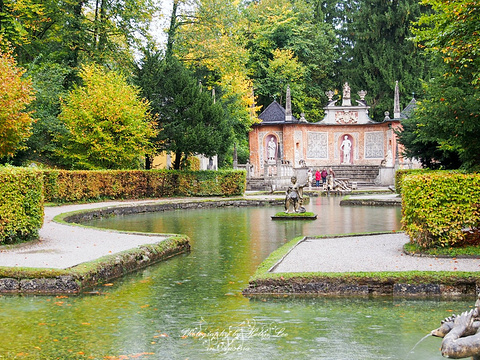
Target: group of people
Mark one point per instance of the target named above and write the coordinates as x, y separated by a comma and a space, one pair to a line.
320, 176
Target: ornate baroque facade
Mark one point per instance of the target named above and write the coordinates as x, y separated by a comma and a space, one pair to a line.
346, 136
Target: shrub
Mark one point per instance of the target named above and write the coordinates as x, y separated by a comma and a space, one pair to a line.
21, 204
439, 208
400, 175
71, 186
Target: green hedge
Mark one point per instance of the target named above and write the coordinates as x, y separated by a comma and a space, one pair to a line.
71, 186
400, 175
21, 204
438, 207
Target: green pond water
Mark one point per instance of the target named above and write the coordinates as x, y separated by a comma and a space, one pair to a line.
191, 306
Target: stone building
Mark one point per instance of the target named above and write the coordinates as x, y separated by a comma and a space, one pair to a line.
346, 140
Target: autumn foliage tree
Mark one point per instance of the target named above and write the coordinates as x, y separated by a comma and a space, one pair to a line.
15, 94
448, 117
108, 124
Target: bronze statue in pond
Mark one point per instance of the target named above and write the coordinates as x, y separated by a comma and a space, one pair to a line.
294, 197
461, 335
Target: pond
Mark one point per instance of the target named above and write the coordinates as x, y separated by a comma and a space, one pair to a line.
191, 306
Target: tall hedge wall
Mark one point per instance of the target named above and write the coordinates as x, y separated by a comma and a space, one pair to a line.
400, 174
438, 207
23, 191
21, 204
69, 186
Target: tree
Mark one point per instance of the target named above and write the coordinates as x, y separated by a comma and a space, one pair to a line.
424, 146
452, 32
277, 28
189, 120
448, 119
378, 52
18, 19
210, 42
48, 81
15, 95
449, 116
71, 32
108, 125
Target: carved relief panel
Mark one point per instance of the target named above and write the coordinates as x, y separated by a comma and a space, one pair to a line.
374, 148
317, 145
346, 117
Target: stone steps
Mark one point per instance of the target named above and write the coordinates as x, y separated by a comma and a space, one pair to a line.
363, 175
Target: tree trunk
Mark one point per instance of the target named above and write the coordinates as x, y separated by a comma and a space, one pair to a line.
148, 162
171, 30
178, 160
102, 36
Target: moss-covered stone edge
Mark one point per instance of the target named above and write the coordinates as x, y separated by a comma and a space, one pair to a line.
76, 279
404, 284
349, 201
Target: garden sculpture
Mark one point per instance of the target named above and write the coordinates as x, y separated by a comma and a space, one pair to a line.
461, 335
294, 197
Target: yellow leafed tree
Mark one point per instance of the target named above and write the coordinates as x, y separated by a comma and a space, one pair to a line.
15, 95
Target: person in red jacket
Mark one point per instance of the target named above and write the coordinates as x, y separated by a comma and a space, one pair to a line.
318, 176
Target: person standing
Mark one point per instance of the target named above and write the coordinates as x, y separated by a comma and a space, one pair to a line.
331, 172
318, 176
324, 175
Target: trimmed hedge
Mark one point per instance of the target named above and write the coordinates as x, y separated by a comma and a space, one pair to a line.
72, 186
439, 207
400, 175
21, 204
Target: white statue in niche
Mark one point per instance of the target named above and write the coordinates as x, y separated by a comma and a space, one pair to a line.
272, 149
346, 147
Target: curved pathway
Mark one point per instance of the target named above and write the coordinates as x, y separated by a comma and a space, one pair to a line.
62, 246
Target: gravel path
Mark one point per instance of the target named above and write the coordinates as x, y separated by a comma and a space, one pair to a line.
63, 246
364, 253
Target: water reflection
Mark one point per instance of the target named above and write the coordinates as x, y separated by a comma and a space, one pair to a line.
191, 306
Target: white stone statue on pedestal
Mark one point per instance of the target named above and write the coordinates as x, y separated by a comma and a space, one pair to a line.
346, 101
346, 147
272, 149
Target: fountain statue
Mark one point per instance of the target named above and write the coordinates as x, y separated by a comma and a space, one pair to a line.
461, 335
294, 197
